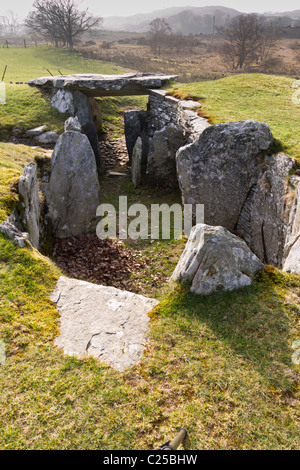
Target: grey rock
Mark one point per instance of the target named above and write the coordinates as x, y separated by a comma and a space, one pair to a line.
83, 112
105, 85
268, 212
135, 125
62, 100
10, 231
73, 124
104, 322
219, 169
36, 131
136, 163
48, 138
291, 262
96, 114
29, 196
73, 193
215, 260
161, 163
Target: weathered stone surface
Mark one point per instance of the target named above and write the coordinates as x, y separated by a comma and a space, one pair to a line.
73, 124
10, 231
105, 85
36, 131
83, 112
215, 260
161, 163
136, 163
96, 114
100, 321
62, 100
291, 258
73, 193
268, 211
220, 168
292, 262
29, 195
48, 137
135, 125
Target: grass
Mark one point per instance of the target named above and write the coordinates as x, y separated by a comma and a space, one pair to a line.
27, 107
265, 98
26, 64
219, 365
13, 159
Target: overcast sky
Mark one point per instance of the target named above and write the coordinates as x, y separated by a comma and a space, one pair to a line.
131, 7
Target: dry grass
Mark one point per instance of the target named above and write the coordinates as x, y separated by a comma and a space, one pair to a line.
193, 64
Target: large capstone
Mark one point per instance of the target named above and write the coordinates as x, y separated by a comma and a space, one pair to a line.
215, 260
73, 193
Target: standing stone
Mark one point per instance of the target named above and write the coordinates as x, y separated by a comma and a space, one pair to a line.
73, 193
29, 195
83, 112
96, 114
292, 243
215, 260
220, 168
161, 163
268, 214
135, 125
136, 163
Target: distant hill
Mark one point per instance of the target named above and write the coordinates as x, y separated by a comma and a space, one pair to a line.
181, 19
294, 14
186, 20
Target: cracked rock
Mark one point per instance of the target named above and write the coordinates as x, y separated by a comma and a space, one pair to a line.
100, 321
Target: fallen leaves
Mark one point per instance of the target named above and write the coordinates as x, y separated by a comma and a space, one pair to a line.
105, 262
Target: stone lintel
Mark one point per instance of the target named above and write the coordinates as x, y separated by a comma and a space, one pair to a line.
105, 85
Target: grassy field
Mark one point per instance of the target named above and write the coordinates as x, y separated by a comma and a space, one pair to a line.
264, 98
32, 62
221, 366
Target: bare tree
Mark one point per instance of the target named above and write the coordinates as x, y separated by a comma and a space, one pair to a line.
60, 21
160, 32
248, 39
11, 23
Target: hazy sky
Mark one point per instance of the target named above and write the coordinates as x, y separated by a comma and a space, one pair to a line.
131, 7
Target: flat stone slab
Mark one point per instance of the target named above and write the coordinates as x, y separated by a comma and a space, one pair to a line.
106, 85
104, 322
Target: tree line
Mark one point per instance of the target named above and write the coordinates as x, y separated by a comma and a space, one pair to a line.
248, 39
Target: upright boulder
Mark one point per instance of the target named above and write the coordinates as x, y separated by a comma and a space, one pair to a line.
29, 196
215, 260
161, 163
73, 193
83, 112
268, 211
135, 125
291, 261
220, 168
136, 163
